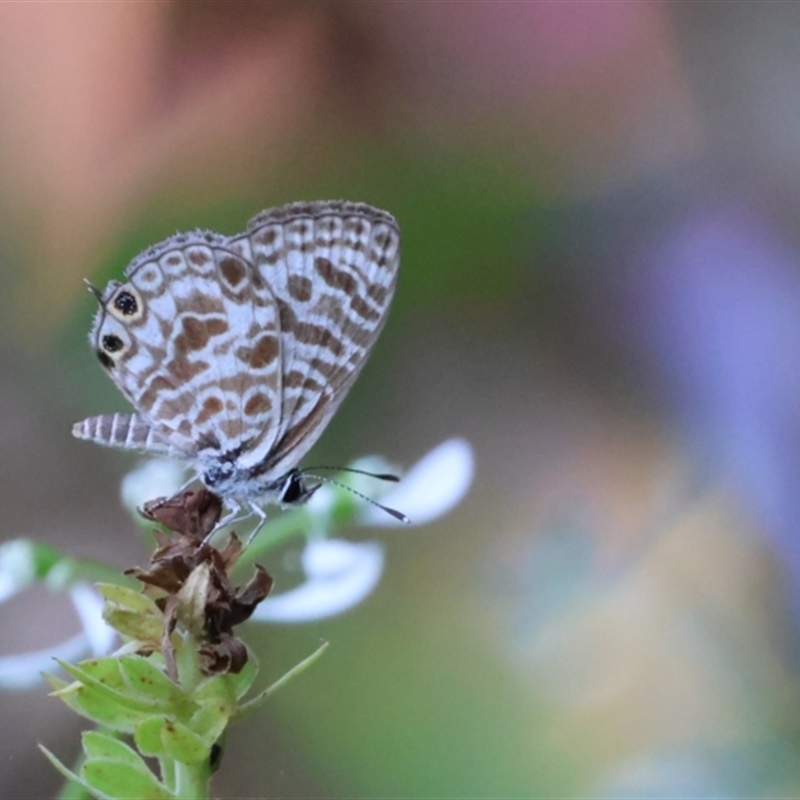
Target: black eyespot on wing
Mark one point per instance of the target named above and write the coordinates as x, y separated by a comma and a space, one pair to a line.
105, 359
126, 303
112, 343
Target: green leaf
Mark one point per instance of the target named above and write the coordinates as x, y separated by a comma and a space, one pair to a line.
103, 677
65, 772
211, 721
134, 625
57, 683
261, 698
148, 737
183, 744
102, 670
216, 689
114, 778
102, 703
132, 613
101, 745
71, 790
105, 712
128, 598
146, 679
241, 682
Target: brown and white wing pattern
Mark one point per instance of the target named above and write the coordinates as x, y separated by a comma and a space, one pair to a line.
236, 351
191, 339
128, 431
332, 267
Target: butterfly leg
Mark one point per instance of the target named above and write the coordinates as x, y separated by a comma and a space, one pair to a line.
234, 515
262, 518
186, 485
237, 514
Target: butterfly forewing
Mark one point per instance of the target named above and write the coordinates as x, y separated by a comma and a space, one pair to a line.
240, 349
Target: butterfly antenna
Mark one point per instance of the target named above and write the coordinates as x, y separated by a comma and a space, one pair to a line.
381, 476
98, 295
392, 512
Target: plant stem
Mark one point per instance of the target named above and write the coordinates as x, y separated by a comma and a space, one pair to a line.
191, 780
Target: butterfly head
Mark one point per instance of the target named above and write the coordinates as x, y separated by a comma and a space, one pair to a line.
293, 488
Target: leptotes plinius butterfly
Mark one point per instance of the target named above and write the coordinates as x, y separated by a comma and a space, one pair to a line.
236, 351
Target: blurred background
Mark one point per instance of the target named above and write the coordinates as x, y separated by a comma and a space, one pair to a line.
600, 290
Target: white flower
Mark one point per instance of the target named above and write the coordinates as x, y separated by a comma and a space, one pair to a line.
431, 488
89, 605
155, 477
23, 670
340, 575
17, 567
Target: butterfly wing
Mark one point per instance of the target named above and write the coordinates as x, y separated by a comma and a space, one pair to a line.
191, 339
242, 348
332, 268
128, 431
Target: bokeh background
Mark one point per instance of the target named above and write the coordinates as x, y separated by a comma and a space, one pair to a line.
600, 290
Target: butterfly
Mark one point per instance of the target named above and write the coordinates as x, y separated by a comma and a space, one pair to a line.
235, 352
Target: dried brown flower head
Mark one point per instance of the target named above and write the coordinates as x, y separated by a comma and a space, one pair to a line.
190, 580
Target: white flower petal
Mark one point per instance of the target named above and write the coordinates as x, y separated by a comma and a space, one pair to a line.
23, 670
17, 567
431, 488
89, 605
322, 502
340, 575
156, 477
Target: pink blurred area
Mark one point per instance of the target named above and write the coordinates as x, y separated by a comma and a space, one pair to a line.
583, 95
107, 104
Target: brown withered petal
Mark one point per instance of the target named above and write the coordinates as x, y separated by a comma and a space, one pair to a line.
171, 619
238, 652
245, 601
191, 580
192, 514
163, 540
227, 655
231, 552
